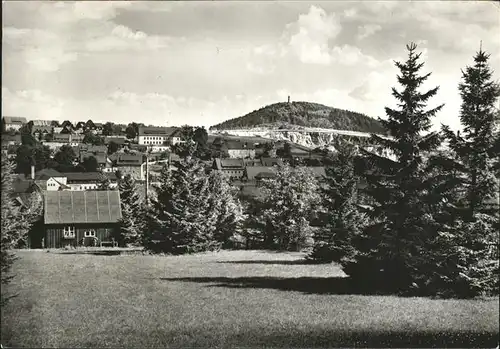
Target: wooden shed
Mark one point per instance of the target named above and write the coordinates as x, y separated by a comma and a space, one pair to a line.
80, 218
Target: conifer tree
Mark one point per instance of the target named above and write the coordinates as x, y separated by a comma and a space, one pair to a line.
388, 251
464, 264
342, 219
226, 207
131, 225
183, 221
13, 227
473, 149
290, 200
104, 183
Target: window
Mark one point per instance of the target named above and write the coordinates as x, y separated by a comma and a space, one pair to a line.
69, 232
89, 233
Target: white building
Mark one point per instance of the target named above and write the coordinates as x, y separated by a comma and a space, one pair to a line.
12, 123
158, 135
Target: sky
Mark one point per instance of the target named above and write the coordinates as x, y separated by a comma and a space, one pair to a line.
200, 63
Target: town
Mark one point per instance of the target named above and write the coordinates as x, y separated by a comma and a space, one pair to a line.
53, 156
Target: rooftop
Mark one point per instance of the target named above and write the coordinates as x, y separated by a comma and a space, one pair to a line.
156, 131
14, 120
66, 207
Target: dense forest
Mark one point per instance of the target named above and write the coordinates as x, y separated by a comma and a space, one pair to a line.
304, 114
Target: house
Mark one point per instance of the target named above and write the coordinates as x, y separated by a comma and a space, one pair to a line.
90, 148
237, 149
43, 122
80, 181
102, 159
68, 138
120, 140
9, 140
138, 147
46, 173
39, 132
54, 146
76, 138
57, 129
61, 138
130, 164
67, 124
12, 123
76, 218
67, 129
80, 125
158, 135
256, 173
159, 148
232, 168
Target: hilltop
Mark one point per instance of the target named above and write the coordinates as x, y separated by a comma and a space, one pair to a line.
305, 114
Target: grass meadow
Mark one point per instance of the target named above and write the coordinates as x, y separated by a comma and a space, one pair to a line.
228, 299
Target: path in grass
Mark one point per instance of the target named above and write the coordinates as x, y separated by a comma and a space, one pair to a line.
242, 298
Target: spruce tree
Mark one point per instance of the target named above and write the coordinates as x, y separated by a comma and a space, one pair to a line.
131, 225
104, 183
13, 227
226, 207
388, 252
474, 148
342, 219
184, 223
464, 263
290, 199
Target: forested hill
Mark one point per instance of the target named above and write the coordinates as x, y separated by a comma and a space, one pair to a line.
303, 114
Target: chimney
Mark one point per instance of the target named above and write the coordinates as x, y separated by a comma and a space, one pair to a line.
288, 99
33, 172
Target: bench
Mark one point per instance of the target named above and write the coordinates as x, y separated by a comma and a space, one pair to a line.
109, 243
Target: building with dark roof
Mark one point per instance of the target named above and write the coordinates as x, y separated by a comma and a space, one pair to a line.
130, 164
232, 168
237, 149
120, 140
76, 218
12, 123
158, 135
235, 168
253, 173
81, 181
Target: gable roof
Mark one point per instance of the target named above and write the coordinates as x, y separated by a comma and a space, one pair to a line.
69, 207
117, 140
83, 176
41, 128
139, 147
93, 148
236, 145
129, 159
157, 131
42, 122
14, 120
46, 173
253, 172
271, 161
100, 157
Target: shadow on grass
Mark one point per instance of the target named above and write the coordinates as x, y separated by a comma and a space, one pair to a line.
310, 285
277, 262
95, 253
323, 338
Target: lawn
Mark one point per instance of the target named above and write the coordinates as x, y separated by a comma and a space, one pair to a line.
227, 299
